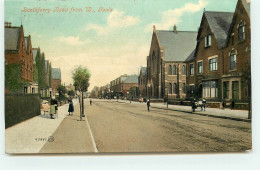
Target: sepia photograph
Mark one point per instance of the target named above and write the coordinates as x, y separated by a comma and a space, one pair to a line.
127, 77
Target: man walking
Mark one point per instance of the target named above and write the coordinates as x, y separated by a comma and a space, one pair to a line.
148, 105
204, 104
90, 102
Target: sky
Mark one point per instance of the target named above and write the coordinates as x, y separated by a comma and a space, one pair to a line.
110, 43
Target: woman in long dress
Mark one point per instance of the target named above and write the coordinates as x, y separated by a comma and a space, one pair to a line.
71, 107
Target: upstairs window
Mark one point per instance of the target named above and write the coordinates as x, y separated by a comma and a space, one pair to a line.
191, 69
208, 41
183, 70
200, 67
241, 32
233, 60
213, 64
174, 70
170, 70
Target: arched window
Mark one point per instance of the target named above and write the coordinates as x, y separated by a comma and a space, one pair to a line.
170, 88
183, 70
183, 88
174, 70
233, 60
153, 62
241, 32
175, 88
170, 70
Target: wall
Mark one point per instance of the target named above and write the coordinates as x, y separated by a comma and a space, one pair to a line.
20, 107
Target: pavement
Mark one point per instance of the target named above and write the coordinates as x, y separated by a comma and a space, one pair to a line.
72, 136
31, 135
239, 115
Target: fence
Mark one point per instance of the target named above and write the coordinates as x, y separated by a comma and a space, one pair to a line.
20, 107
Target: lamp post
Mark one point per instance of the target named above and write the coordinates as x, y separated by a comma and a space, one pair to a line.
149, 85
167, 99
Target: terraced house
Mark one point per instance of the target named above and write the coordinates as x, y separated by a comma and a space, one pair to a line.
18, 60
220, 68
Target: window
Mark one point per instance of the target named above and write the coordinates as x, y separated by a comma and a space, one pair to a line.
183, 88
241, 32
210, 89
174, 70
225, 90
200, 67
170, 70
175, 88
170, 88
213, 64
183, 70
153, 61
208, 41
191, 69
233, 60
235, 90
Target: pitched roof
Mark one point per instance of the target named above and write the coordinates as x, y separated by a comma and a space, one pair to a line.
35, 51
219, 23
177, 46
56, 73
191, 56
12, 36
246, 4
143, 70
131, 79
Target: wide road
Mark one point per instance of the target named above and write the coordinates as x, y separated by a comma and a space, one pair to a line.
125, 127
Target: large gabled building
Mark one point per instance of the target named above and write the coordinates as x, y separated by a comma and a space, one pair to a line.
166, 67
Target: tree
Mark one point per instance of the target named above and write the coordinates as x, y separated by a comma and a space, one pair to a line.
81, 76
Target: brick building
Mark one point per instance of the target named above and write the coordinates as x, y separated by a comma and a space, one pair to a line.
236, 82
220, 66
55, 79
18, 56
209, 53
166, 67
120, 87
142, 82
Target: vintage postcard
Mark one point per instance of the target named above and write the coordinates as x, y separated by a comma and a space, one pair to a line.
135, 76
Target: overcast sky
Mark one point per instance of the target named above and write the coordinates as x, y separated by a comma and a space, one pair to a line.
109, 44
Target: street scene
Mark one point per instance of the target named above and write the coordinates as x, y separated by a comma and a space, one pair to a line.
181, 83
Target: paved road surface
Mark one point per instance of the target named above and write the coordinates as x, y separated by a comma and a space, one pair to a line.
125, 127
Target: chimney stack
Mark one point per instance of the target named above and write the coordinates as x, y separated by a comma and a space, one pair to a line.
8, 24
175, 29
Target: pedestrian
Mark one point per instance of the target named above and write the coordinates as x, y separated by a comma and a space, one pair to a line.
232, 104
52, 107
71, 107
148, 105
90, 102
223, 104
193, 105
204, 104
142, 100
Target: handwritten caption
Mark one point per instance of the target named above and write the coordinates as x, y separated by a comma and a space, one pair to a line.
39, 10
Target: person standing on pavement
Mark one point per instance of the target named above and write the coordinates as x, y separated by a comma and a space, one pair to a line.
90, 102
204, 104
148, 105
52, 108
223, 104
71, 107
